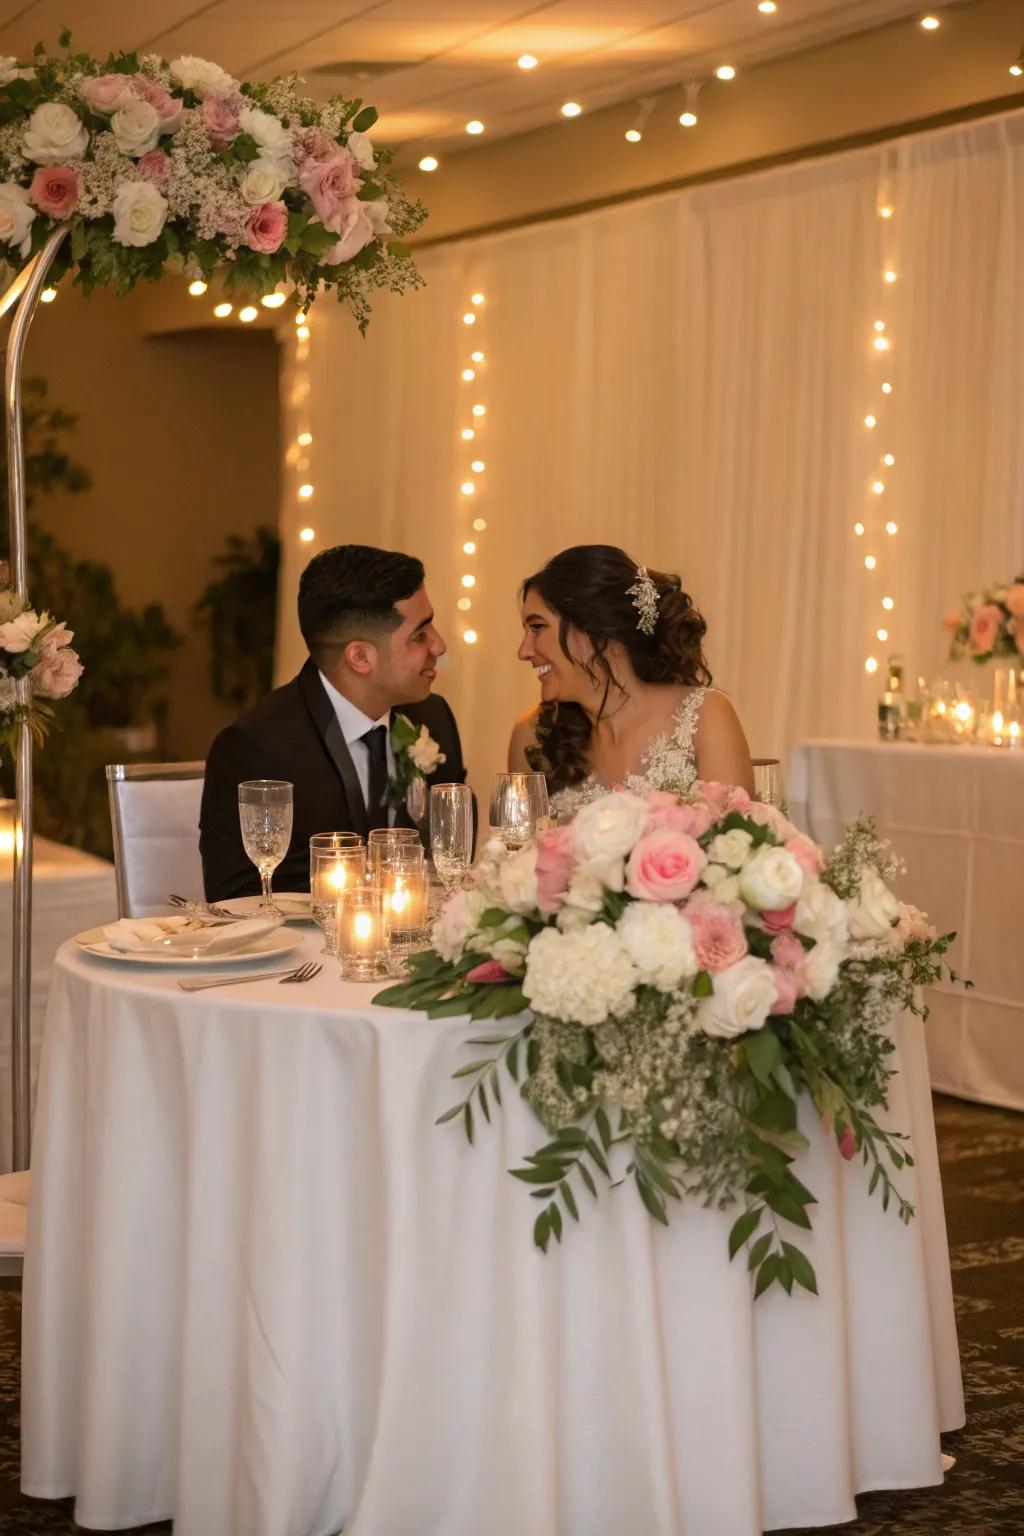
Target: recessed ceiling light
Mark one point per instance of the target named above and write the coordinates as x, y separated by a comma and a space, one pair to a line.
767, 7
197, 287
526, 61
429, 163
633, 135
688, 119
476, 126
248, 314
571, 109
273, 300
930, 23
725, 72
222, 311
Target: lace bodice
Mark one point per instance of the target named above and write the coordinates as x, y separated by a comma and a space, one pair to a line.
669, 762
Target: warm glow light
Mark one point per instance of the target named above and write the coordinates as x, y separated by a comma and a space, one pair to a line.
468, 434
469, 581
997, 721
886, 389
889, 458
429, 163
479, 410
475, 127
480, 524
888, 604
476, 357
963, 711
1015, 729
885, 212
273, 300
478, 466
222, 311
930, 23
688, 119
725, 72
878, 487
301, 319
526, 61
196, 288
879, 325
470, 636
467, 488
881, 634
767, 7
870, 562
891, 528
248, 314
304, 439
465, 604
571, 109
1017, 69
307, 535
302, 333
633, 135
881, 343
48, 295
476, 298
469, 318
469, 548
871, 665
362, 923
858, 529
870, 421
890, 276
305, 491
469, 374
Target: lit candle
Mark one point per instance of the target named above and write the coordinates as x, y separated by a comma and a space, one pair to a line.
337, 875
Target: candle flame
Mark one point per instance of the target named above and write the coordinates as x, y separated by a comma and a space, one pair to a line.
363, 925
337, 876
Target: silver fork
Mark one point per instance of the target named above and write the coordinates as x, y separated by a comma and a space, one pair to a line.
204, 909
300, 974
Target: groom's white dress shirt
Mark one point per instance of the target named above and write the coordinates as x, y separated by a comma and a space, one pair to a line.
354, 725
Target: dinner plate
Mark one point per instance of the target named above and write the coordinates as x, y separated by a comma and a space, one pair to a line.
265, 948
296, 906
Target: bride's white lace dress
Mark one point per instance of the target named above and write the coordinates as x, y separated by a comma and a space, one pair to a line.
669, 762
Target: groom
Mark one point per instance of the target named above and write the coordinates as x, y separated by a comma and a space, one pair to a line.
373, 649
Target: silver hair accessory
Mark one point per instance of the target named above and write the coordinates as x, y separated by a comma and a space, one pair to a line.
645, 600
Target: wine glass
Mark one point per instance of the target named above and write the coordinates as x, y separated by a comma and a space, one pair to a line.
265, 814
519, 807
451, 832
767, 787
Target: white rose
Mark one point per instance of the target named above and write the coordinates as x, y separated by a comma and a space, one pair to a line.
201, 76
659, 941
362, 150
592, 880
16, 216
743, 998
55, 133
609, 826
820, 913
140, 213
772, 880
732, 848
17, 635
9, 71
263, 182
874, 909
518, 880
268, 131
821, 969
457, 923
580, 978
378, 214
136, 127
425, 753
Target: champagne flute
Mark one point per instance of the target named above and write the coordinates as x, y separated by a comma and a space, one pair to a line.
766, 780
265, 814
451, 832
519, 807
540, 809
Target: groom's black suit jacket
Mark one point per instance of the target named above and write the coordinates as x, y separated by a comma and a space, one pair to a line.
294, 734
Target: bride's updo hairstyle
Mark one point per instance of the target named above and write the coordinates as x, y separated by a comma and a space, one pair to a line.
588, 588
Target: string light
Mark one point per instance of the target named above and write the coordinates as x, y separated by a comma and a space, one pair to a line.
476, 298
479, 410
526, 61
479, 524
688, 118
469, 548
887, 388
469, 318
248, 314
888, 604
300, 318
273, 300
468, 375
302, 332
469, 636
890, 276
478, 466
196, 287
891, 528
304, 439
429, 163
467, 488
871, 421
305, 491
871, 665
634, 135
571, 109
870, 562
885, 212
465, 604
468, 434
222, 310
878, 486
48, 295
468, 580
879, 325
767, 7
307, 535
644, 109
881, 634
881, 343
476, 357
858, 529
475, 127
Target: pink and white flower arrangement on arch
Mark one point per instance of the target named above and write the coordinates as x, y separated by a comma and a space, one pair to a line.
153, 162
35, 648
988, 623
685, 971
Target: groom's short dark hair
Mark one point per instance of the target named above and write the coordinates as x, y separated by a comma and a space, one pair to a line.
349, 593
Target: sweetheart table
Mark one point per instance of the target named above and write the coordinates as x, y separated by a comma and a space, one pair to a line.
264, 1294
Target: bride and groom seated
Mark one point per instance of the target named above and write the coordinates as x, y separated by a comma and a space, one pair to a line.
625, 698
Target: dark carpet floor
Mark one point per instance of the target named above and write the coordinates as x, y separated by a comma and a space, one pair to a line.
982, 1152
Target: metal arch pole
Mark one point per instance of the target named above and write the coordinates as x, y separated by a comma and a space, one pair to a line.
23, 296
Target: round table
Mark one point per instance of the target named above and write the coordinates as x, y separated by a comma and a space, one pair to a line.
265, 1294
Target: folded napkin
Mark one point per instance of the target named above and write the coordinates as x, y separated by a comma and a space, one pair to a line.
165, 935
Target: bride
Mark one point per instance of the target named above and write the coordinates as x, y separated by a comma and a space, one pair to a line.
625, 690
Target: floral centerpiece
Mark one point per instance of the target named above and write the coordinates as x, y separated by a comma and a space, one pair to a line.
685, 970
988, 623
35, 647
151, 162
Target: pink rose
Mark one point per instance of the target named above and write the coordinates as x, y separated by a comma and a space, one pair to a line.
718, 936
985, 627
554, 858
778, 922
54, 190
356, 231
665, 865
330, 186
489, 971
220, 119
952, 620
770, 816
1015, 599
56, 673
666, 811
737, 799
807, 853
788, 953
848, 1144
714, 795
266, 227
785, 986
314, 145
107, 94
169, 109
154, 167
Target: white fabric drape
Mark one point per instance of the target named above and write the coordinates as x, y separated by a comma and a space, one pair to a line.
689, 376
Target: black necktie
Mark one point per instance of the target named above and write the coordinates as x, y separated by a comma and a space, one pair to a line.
376, 745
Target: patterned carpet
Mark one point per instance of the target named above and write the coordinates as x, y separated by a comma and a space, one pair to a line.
982, 1153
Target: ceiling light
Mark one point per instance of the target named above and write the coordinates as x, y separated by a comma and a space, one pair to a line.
870, 421
475, 127
468, 434
930, 23
871, 665
468, 374
305, 492
886, 389
467, 488
725, 72
688, 119
273, 300
465, 603
480, 524
469, 318
307, 535
571, 109
470, 637
248, 314
479, 410
469, 581
888, 604
858, 529
1017, 68
633, 135
892, 528
885, 212
881, 344
881, 634
222, 311
889, 458
890, 276
478, 466
477, 357
304, 439
48, 295
870, 562
767, 7
429, 163
469, 548
197, 287
476, 298
526, 61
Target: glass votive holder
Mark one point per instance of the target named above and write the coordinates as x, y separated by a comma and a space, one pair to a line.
337, 861
361, 928
8, 823
406, 891
382, 842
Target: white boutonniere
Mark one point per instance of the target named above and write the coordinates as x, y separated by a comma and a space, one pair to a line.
417, 755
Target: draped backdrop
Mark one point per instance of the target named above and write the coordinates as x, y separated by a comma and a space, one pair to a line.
691, 376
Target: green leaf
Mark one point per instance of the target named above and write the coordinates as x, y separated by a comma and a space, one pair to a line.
545, 1173
510, 1001
450, 1007
542, 1230
555, 1218
571, 1136
873, 1181
744, 1228
802, 1268
588, 1178
767, 1274
763, 1053
512, 1061
471, 1067
657, 1174
702, 986
777, 1112
759, 1250
449, 1114
468, 1121
532, 1056
651, 1199
789, 1209
604, 1129
785, 1276
400, 249
481, 1094
597, 1155
488, 1040
370, 191
365, 120
570, 1202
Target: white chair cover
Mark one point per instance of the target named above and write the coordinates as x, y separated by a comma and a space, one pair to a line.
154, 811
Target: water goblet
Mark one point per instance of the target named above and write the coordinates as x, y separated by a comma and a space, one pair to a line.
451, 832
265, 815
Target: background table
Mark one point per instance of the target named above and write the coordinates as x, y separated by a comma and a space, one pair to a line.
265, 1294
71, 890
956, 815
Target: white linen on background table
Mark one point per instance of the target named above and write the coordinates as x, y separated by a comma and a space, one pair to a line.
265, 1294
71, 891
956, 816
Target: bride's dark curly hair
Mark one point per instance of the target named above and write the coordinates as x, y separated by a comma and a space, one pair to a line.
588, 587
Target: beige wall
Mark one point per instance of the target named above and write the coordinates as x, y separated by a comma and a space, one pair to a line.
181, 436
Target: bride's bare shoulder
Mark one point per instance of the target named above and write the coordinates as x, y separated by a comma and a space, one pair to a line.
722, 751
524, 735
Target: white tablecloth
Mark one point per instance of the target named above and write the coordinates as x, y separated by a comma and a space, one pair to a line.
71, 890
265, 1294
956, 815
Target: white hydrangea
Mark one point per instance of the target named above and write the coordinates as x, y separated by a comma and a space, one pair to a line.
517, 877
732, 848
659, 941
584, 977
457, 923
